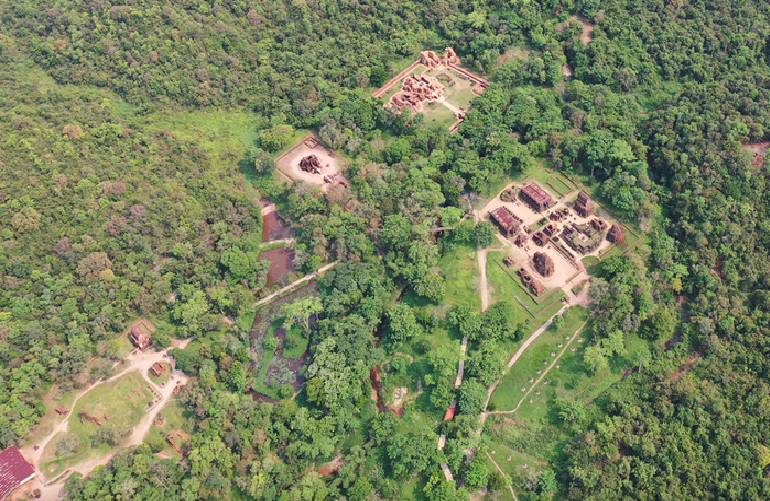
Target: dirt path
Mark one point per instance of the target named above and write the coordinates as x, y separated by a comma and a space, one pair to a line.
51, 393
545, 373
302, 280
447, 473
483, 272
518, 354
454, 109
268, 209
141, 362
686, 367
503, 474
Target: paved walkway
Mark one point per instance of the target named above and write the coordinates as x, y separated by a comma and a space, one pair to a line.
289, 287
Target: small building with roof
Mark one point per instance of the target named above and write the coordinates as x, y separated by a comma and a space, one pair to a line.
505, 220
15, 471
536, 197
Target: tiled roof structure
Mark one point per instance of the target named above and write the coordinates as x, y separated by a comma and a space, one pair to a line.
15, 471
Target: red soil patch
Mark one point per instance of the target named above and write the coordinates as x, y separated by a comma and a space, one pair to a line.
281, 264
331, 467
759, 151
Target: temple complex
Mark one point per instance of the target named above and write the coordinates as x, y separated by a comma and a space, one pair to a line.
415, 90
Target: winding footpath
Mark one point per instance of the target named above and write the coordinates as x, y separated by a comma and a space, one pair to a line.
140, 362
545, 373
513, 494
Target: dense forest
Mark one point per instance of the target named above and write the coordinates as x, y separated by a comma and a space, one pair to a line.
108, 216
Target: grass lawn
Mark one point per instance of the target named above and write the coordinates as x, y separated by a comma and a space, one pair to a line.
175, 418
590, 263
506, 284
296, 337
51, 419
461, 271
537, 357
560, 184
159, 380
438, 115
124, 401
167, 327
224, 134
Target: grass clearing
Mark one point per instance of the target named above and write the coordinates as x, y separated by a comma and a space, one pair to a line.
438, 115
462, 276
507, 284
119, 404
536, 357
224, 134
174, 417
296, 342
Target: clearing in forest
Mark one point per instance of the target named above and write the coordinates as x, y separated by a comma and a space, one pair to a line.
436, 86
117, 406
278, 362
310, 161
547, 227
588, 28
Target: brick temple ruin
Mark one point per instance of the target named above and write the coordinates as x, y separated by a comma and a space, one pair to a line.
540, 239
583, 205
310, 164
85, 417
506, 221
430, 59
543, 264
535, 286
415, 90
616, 234
584, 238
158, 369
140, 336
536, 197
